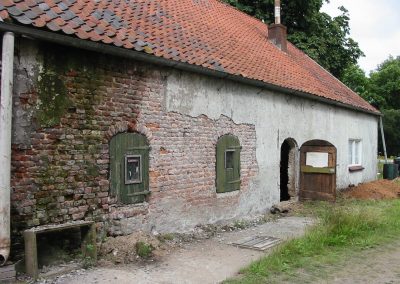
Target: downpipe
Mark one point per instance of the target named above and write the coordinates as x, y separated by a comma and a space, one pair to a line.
7, 71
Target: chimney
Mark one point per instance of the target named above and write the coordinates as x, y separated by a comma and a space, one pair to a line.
277, 32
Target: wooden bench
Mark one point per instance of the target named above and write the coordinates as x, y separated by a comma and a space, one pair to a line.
88, 244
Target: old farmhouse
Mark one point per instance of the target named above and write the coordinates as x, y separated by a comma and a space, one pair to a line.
162, 115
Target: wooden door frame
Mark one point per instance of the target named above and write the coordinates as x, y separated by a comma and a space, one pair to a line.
319, 147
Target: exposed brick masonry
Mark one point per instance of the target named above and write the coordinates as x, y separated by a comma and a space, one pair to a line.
63, 174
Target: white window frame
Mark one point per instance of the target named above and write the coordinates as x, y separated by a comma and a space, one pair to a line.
356, 145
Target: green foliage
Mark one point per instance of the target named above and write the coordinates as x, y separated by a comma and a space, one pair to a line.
323, 38
343, 228
87, 260
165, 237
391, 123
143, 249
354, 77
385, 82
382, 90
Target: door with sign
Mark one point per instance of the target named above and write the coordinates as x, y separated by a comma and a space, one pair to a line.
317, 171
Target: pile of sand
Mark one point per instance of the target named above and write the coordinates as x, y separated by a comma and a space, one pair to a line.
379, 189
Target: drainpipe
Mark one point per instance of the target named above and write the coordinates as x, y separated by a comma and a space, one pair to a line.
5, 143
383, 138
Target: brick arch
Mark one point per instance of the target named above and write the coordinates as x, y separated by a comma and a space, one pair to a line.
127, 126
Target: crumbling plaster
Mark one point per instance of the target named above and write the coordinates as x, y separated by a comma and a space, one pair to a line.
276, 117
182, 114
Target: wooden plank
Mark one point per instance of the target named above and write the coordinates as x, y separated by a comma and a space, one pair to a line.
31, 262
258, 243
89, 248
51, 228
310, 169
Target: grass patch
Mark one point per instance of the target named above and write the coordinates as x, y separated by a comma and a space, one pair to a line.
344, 227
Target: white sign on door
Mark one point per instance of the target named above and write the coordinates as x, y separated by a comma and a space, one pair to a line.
317, 159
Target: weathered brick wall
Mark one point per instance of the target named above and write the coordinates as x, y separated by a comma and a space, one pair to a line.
70, 105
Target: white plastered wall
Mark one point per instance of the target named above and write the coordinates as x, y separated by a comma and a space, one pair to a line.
276, 117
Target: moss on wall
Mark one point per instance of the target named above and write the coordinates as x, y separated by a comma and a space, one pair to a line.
53, 99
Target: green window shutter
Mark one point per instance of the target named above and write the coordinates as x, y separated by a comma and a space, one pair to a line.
129, 167
228, 164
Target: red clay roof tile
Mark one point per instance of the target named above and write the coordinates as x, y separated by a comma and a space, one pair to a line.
206, 33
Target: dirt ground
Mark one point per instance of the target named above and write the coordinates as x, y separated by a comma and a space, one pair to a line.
378, 265
199, 261
379, 189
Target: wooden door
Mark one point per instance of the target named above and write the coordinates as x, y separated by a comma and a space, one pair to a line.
129, 167
317, 172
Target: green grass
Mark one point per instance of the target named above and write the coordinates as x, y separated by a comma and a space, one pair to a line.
343, 228
144, 250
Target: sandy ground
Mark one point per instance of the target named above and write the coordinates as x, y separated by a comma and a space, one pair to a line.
205, 261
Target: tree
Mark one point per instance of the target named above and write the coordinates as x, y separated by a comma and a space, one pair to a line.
385, 82
354, 77
323, 38
391, 122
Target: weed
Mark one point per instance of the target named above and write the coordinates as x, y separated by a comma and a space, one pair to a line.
144, 250
240, 224
165, 237
87, 259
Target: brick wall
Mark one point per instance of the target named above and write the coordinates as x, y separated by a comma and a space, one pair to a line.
70, 105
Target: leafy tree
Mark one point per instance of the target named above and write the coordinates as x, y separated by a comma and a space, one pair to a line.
391, 122
323, 38
354, 77
385, 82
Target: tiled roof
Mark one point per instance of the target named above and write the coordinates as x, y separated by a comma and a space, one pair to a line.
207, 33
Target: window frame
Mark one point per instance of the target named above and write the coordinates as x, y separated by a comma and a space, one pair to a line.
233, 157
356, 146
136, 181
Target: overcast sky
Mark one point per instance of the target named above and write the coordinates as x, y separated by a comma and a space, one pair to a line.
375, 25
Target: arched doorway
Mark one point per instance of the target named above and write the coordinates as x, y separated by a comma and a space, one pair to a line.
317, 171
288, 169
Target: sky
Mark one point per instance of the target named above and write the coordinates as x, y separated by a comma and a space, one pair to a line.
375, 25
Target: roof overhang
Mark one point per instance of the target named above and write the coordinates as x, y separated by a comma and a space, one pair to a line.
152, 59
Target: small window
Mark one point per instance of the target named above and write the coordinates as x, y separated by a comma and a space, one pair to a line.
228, 164
129, 168
229, 156
133, 169
355, 152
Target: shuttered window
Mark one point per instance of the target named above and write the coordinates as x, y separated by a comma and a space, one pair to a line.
129, 167
228, 164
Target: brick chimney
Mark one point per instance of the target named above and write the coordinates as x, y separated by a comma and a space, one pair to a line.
277, 33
